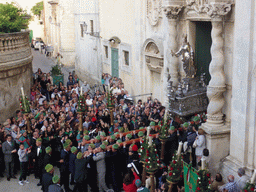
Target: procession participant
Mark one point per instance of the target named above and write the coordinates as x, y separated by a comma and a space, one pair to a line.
55, 187
72, 158
47, 177
81, 173
64, 166
48, 156
99, 157
38, 158
114, 156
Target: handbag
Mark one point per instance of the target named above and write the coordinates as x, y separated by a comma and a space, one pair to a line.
194, 144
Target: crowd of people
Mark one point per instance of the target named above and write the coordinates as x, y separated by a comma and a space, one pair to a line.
99, 155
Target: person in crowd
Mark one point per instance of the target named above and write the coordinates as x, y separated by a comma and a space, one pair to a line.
129, 182
55, 187
242, 180
23, 158
216, 183
47, 177
139, 186
231, 186
200, 144
38, 159
8, 151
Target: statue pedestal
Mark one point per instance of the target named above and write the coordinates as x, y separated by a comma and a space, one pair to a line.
218, 144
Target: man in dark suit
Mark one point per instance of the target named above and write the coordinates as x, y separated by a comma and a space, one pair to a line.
64, 167
38, 159
55, 187
8, 150
81, 173
47, 177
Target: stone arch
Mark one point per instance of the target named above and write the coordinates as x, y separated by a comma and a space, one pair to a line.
153, 41
153, 53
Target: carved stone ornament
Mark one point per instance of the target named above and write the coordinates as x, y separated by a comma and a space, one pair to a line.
172, 12
217, 10
153, 11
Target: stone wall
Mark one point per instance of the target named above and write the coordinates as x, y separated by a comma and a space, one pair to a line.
15, 71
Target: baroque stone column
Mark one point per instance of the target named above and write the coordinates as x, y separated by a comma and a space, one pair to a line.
217, 85
217, 131
171, 63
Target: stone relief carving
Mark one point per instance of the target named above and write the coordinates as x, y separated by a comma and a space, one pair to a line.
214, 10
217, 10
172, 12
154, 11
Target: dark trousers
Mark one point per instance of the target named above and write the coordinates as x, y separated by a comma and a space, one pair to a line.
9, 169
64, 179
38, 171
80, 187
23, 170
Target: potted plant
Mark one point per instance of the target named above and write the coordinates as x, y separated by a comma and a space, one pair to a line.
57, 75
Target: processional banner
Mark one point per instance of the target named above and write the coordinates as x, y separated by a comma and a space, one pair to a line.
190, 178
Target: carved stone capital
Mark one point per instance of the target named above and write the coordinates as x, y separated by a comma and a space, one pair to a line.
217, 10
172, 12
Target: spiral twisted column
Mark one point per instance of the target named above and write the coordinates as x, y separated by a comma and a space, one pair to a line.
217, 85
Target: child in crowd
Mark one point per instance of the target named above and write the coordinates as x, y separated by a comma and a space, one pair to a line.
23, 158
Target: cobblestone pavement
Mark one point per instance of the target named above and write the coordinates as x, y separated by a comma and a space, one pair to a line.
46, 63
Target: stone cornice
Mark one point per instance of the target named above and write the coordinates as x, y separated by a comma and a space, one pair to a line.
217, 10
173, 11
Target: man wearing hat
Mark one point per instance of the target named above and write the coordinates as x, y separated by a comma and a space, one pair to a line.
115, 167
84, 146
81, 172
92, 169
64, 167
97, 141
48, 156
99, 157
171, 144
112, 140
47, 177
38, 158
55, 187
72, 158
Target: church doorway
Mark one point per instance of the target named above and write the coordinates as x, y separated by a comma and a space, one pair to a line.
203, 49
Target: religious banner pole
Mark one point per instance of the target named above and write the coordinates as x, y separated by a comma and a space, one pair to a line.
25, 108
81, 109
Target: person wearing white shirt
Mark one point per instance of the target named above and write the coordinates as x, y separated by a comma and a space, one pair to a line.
241, 182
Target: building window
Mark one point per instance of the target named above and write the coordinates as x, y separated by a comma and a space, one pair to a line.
82, 30
126, 58
106, 51
91, 21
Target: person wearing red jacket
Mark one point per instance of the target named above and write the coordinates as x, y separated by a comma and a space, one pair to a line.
129, 181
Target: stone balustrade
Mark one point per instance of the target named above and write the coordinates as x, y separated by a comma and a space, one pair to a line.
15, 71
14, 46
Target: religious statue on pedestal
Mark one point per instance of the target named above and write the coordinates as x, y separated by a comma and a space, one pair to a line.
187, 58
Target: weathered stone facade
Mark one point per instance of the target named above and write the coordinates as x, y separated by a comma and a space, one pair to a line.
15, 71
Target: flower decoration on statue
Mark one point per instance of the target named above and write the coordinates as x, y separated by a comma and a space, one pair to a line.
110, 99
203, 181
175, 169
143, 148
24, 104
81, 105
164, 125
152, 161
249, 187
